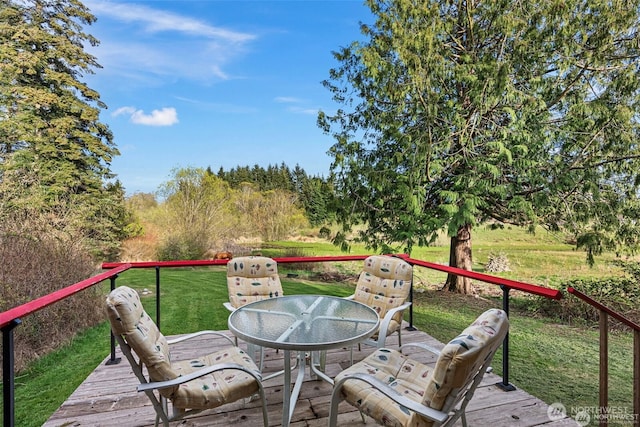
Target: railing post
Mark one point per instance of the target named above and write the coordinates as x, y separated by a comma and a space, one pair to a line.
504, 385
636, 375
8, 374
411, 327
158, 297
113, 360
604, 367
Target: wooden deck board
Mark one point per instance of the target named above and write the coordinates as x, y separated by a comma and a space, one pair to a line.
108, 396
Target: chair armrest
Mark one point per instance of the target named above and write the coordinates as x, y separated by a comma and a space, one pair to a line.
197, 334
384, 325
350, 297
392, 394
422, 346
228, 306
156, 385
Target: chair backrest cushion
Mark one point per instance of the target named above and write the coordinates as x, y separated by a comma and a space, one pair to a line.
462, 358
252, 278
129, 320
384, 283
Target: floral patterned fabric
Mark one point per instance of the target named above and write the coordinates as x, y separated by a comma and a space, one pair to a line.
252, 278
384, 284
217, 388
128, 319
439, 387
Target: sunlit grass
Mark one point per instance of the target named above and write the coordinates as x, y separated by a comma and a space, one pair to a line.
47, 383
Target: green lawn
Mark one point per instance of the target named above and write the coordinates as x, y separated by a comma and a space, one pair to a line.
557, 363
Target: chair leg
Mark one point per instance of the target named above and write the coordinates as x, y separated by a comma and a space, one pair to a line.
259, 360
160, 406
165, 411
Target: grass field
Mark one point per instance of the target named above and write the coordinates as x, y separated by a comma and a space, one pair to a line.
555, 362
543, 258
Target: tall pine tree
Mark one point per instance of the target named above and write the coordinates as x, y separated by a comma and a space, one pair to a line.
55, 154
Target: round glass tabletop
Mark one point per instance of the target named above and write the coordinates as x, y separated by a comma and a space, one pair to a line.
304, 322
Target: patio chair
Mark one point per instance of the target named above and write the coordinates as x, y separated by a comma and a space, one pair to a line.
395, 390
183, 388
384, 284
249, 279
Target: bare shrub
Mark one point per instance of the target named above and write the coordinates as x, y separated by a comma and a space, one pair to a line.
497, 263
38, 260
138, 249
295, 252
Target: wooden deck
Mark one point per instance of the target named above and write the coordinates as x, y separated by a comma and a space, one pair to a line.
108, 397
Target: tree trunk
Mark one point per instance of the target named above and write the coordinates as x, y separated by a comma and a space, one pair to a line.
460, 257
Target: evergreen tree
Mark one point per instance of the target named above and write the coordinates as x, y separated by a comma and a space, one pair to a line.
462, 112
54, 151
313, 194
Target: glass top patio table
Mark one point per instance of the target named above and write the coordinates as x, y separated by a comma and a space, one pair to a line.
304, 322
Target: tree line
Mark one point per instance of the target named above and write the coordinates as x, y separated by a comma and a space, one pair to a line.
314, 193
197, 211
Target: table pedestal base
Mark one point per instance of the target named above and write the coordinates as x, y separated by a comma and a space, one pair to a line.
290, 396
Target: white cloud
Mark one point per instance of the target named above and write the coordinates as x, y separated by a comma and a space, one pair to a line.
216, 71
300, 110
165, 117
142, 45
123, 110
287, 100
295, 105
154, 20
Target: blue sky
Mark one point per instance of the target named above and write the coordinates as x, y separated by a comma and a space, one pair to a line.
199, 83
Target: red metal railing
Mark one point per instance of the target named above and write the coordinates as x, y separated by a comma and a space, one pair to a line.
605, 312
505, 284
11, 318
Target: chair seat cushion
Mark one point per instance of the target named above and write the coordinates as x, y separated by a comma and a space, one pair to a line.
406, 376
217, 388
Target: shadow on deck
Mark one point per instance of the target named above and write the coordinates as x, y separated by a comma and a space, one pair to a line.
108, 396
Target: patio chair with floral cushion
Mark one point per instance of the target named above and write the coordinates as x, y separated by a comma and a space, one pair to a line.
384, 285
249, 279
396, 390
182, 388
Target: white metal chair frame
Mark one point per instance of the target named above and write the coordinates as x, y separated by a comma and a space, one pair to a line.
384, 325
488, 330
160, 403
445, 417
